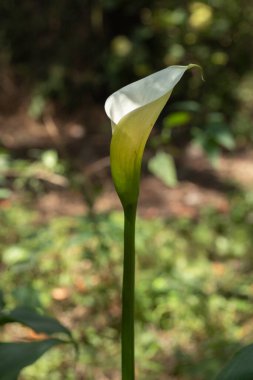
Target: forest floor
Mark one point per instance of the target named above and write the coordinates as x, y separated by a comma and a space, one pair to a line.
74, 263
200, 184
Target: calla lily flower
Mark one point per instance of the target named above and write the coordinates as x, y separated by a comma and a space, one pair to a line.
133, 111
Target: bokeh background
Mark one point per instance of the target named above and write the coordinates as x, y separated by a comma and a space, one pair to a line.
61, 222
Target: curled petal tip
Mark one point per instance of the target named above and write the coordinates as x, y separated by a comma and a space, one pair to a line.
193, 65
142, 92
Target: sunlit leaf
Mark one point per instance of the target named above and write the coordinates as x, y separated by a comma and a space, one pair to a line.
163, 167
176, 119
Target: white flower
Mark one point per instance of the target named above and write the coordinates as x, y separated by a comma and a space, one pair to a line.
133, 111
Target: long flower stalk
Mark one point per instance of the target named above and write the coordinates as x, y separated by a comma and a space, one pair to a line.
133, 111
128, 299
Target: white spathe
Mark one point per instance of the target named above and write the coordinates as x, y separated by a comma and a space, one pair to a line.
133, 111
143, 92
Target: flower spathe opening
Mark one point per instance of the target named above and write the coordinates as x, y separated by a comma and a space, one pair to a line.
143, 92
133, 111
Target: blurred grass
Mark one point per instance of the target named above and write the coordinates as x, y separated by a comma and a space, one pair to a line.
193, 297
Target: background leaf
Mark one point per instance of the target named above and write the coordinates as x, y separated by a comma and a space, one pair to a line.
163, 167
15, 356
30, 318
240, 367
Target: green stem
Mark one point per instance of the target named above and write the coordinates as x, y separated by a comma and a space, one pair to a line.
127, 327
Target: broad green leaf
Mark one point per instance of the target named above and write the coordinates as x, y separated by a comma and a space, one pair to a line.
133, 111
163, 167
240, 367
30, 318
15, 356
226, 139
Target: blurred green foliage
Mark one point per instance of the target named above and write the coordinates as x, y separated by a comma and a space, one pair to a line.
59, 57
69, 52
33, 173
193, 299
194, 293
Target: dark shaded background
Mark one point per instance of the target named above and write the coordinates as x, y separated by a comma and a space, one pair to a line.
63, 59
